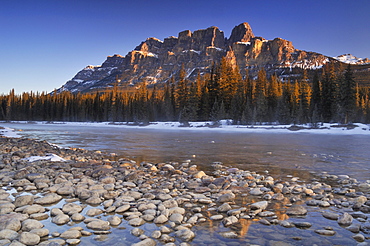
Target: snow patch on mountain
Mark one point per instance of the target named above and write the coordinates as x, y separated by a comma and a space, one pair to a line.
351, 59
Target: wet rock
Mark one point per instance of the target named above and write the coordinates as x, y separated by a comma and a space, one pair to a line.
170, 203
345, 219
114, 220
8, 234
185, 234
123, 208
146, 206
145, 242
228, 197
364, 187
302, 224
160, 219
39, 216
359, 237
42, 232
325, 232
177, 218
10, 222
48, 199
60, 219
286, 224
256, 192
137, 232
164, 197
266, 214
32, 209
199, 175
264, 222
29, 238
71, 234
93, 200
23, 200
55, 211
324, 204
177, 210
330, 215
73, 241
236, 211
108, 180
6, 208
97, 224
259, 205
71, 208
229, 234
224, 208
217, 217
93, 212
230, 220
4, 242
148, 217
296, 210
31, 224
77, 217
136, 222
66, 191
365, 227
355, 228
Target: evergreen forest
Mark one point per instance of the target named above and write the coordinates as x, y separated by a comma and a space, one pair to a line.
329, 95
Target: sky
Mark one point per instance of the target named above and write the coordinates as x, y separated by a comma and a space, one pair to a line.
44, 43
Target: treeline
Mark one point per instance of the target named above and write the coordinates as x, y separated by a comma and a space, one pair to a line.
330, 96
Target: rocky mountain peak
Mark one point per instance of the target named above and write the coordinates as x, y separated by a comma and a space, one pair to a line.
156, 61
241, 33
351, 59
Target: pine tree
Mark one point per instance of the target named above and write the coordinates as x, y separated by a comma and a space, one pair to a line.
328, 93
315, 104
272, 98
181, 91
347, 92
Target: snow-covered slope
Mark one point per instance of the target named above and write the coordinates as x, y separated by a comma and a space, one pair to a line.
351, 59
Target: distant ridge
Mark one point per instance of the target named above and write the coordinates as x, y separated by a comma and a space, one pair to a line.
155, 61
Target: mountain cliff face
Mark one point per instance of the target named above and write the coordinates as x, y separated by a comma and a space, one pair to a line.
155, 61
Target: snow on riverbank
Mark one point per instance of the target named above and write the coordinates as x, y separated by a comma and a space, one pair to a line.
225, 126
48, 157
8, 132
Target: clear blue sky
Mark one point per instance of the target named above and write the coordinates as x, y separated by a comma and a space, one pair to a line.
44, 43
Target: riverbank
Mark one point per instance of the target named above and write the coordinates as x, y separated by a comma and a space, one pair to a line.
225, 126
88, 197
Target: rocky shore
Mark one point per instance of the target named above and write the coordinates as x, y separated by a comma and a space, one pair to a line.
55, 196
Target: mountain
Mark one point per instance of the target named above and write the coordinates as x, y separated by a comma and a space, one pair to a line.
156, 61
351, 59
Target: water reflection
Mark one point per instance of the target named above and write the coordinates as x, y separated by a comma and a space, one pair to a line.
280, 153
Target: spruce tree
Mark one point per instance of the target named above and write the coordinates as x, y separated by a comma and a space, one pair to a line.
347, 93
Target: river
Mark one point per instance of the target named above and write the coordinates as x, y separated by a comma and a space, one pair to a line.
294, 153
283, 154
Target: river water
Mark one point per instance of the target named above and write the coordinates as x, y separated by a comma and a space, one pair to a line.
283, 155
293, 153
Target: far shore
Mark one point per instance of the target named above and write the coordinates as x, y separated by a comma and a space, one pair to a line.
222, 126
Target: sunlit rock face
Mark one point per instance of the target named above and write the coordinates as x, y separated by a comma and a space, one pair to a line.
155, 61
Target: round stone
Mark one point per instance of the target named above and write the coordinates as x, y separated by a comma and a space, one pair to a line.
161, 219
29, 238
60, 219
31, 224
114, 220
100, 225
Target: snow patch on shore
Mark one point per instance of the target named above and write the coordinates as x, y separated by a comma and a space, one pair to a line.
224, 126
48, 157
9, 133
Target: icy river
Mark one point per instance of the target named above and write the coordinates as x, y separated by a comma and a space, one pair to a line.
283, 154
294, 153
